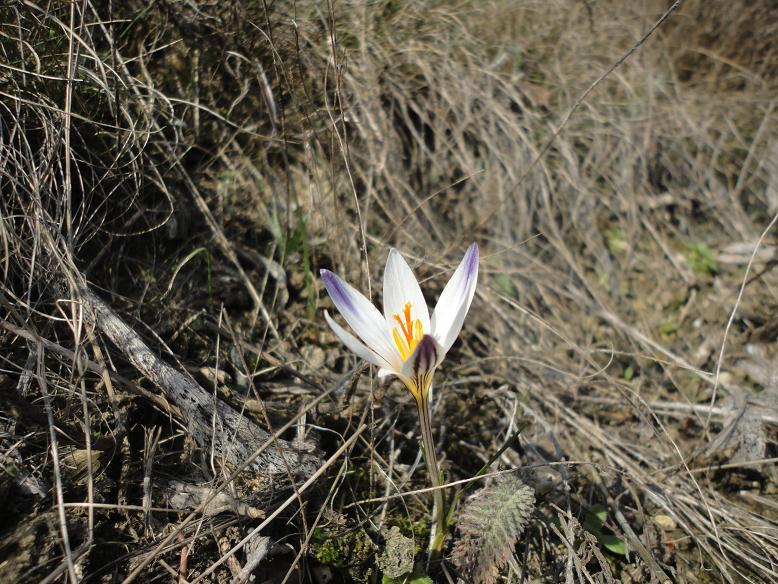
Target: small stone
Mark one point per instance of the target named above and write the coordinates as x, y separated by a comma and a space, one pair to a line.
314, 357
665, 522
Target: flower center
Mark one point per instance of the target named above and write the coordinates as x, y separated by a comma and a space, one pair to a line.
408, 333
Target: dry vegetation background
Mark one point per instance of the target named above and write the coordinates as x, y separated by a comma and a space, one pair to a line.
192, 164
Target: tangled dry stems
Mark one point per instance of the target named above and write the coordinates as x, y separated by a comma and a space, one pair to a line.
132, 139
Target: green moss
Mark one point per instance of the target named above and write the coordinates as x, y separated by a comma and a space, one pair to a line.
419, 531
616, 240
668, 328
329, 553
702, 259
342, 549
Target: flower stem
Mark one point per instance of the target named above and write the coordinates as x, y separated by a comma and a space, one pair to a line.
428, 444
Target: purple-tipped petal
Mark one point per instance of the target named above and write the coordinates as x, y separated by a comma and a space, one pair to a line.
418, 369
342, 294
454, 302
364, 318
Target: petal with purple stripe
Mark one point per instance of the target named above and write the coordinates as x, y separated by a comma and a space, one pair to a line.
364, 318
454, 302
418, 369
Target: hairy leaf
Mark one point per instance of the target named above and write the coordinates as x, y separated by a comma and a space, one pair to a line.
489, 526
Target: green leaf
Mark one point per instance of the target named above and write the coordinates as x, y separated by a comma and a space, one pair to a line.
595, 518
594, 521
629, 373
504, 284
702, 259
612, 543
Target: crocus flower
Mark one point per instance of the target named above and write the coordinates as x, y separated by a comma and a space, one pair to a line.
404, 341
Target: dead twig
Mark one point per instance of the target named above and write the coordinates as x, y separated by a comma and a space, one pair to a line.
199, 409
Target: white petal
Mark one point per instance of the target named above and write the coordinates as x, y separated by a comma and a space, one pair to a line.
401, 287
362, 317
455, 300
384, 372
354, 345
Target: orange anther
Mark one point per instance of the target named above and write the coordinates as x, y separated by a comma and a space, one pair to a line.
410, 332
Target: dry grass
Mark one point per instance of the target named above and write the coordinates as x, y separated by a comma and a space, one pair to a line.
205, 159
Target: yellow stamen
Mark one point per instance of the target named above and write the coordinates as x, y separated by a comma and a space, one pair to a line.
409, 332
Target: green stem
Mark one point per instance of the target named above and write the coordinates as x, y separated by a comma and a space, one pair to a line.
428, 444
